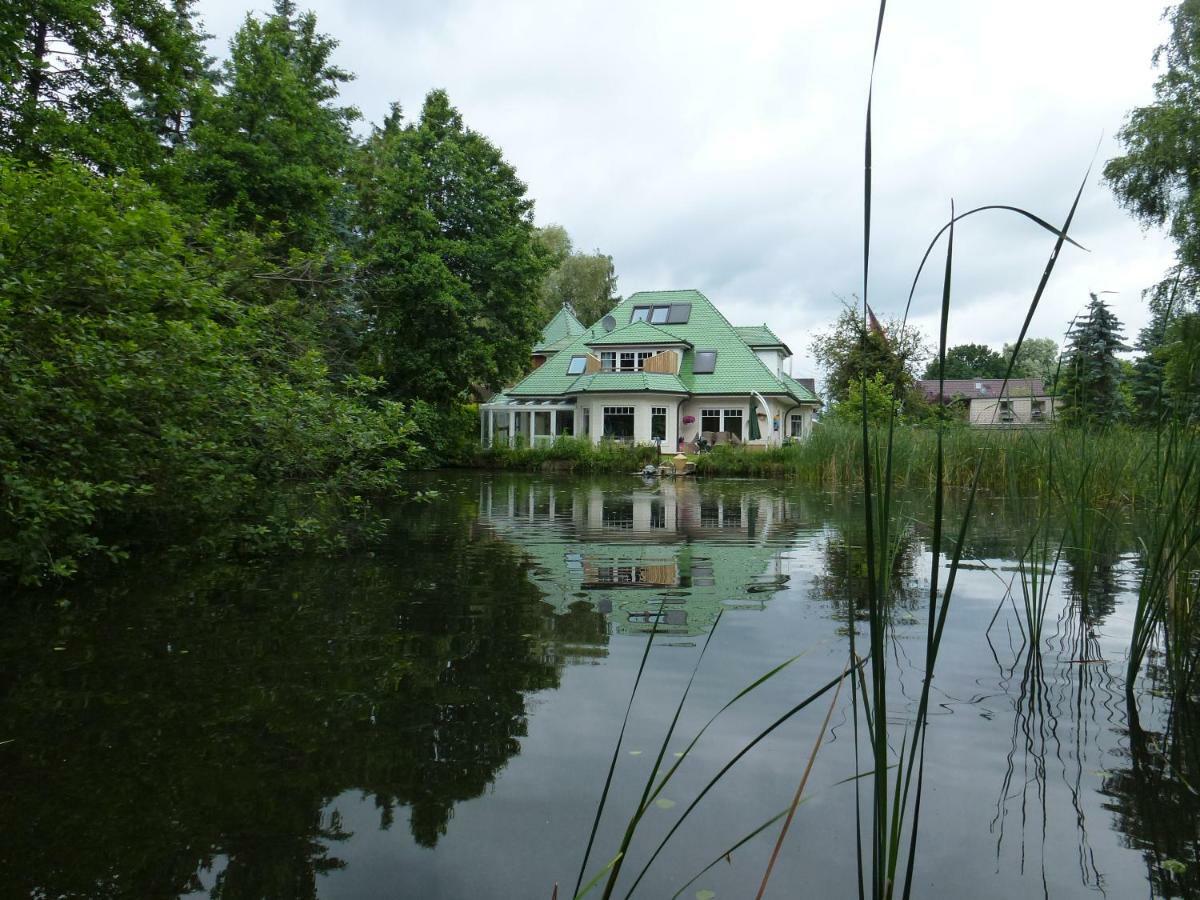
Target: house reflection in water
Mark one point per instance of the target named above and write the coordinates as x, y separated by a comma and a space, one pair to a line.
672, 551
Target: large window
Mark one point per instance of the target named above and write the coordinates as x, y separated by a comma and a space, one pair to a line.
658, 423
732, 421
628, 361
608, 360
721, 420
618, 422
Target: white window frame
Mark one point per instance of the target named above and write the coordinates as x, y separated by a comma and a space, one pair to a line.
797, 423
658, 411
606, 411
608, 360
627, 356
738, 413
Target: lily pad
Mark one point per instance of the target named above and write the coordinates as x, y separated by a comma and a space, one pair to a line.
664, 803
705, 894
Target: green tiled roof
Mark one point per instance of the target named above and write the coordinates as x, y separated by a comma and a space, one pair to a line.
757, 336
636, 333
559, 330
738, 370
797, 390
605, 382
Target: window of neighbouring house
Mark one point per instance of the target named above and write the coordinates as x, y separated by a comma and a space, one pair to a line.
1006, 411
732, 421
640, 314
705, 362
710, 420
577, 365
658, 423
797, 425
1038, 409
618, 422
608, 360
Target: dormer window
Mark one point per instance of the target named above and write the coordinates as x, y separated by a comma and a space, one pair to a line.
625, 360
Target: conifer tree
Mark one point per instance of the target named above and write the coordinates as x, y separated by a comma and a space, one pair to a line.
1092, 374
272, 147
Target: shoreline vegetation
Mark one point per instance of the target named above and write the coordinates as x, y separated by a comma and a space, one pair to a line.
1110, 468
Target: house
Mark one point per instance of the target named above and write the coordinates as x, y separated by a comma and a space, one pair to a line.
662, 367
991, 402
558, 334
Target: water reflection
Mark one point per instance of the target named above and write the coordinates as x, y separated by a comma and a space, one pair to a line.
673, 552
185, 731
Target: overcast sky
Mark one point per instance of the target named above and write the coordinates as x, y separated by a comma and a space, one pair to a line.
718, 145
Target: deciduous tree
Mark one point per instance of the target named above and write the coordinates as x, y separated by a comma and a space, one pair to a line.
451, 266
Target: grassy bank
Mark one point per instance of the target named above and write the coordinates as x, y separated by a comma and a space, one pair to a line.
1115, 467
567, 455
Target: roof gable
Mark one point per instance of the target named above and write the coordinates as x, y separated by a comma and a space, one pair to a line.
563, 325
738, 369
760, 337
636, 333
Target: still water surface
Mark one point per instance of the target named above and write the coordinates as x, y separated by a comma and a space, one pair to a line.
435, 718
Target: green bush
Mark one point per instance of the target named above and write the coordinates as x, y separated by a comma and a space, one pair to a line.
140, 402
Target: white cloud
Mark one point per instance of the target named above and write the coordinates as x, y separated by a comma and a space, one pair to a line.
720, 147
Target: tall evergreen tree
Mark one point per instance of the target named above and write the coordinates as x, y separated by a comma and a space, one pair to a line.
273, 146
451, 266
1092, 373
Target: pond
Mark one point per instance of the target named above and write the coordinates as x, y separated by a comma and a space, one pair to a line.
436, 717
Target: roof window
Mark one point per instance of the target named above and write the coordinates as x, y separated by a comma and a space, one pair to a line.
705, 363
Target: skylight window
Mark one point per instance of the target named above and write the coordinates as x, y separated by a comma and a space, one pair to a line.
659, 315
706, 362
577, 365
640, 314
680, 313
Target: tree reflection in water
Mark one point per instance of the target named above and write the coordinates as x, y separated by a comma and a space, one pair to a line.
204, 718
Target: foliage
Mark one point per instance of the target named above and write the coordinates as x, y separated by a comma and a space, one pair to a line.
450, 265
1156, 178
1038, 358
136, 391
969, 361
1092, 374
270, 149
570, 454
107, 83
851, 350
874, 394
585, 281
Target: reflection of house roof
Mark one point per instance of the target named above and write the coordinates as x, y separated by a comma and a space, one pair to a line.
559, 332
685, 550
983, 388
737, 369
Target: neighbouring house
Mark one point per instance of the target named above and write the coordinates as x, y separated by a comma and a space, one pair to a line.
990, 402
662, 367
557, 335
